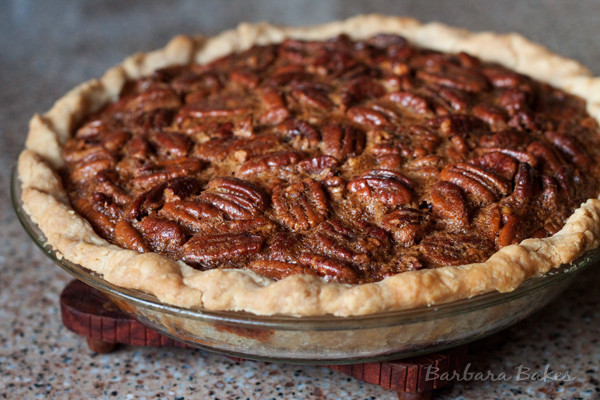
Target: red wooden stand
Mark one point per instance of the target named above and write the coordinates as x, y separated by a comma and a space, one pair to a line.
89, 313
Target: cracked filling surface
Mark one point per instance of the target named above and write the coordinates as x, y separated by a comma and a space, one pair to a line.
349, 160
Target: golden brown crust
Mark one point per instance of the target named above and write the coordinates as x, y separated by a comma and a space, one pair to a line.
176, 283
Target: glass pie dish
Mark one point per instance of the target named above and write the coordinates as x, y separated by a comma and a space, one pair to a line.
325, 339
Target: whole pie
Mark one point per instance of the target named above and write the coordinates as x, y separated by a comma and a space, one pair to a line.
351, 168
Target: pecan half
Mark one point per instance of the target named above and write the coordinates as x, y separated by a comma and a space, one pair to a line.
201, 249
547, 157
446, 100
127, 236
194, 215
276, 110
236, 198
302, 134
490, 114
242, 148
300, 206
521, 156
448, 200
551, 163
503, 78
313, 97
278, 269
331, 269
201, 83
167, 169
101, 223
162, 235
510, 232
515, 101
367, 116
454, 77
411, 101
497, 162
380, 185
342, 141
297, 51
283, 246
504, 139
153, 99
138, 148
106, 185
154, 198
267, 162
289, 74
407, 225
570, 146
526, 185
258, 58
171, 144
317, 164
485, 186
245, 77
90, 166
341, 241
113, 141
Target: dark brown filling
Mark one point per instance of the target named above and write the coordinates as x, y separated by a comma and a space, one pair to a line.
350, 160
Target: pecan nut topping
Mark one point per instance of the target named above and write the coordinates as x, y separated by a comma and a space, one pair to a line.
236, 198
350, 160
388, 187
300, 206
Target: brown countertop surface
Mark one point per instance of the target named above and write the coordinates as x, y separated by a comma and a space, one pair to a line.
48, 47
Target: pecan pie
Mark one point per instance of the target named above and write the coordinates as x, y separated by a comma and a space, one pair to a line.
351, 168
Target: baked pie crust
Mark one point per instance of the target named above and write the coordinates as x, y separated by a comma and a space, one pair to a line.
177, 283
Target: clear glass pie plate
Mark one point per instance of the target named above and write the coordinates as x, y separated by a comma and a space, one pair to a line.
326, 339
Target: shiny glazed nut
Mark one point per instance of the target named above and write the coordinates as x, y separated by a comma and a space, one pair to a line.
454, 77
570, 146
278, 269
388, 187
162, 234
99, 221
312, 97
448, 200
270, 161
235, 197
342, 141
411, 101
127, 236
276, 108
167, 169
194, 215
367, 116
317, 164
219, 247
485, 186
300, 206
300, 133
331, 268
497, 162
406, 224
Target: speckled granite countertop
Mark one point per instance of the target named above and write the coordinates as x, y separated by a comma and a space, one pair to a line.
48, 47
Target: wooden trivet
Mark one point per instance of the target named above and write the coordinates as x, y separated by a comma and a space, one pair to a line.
87, 312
